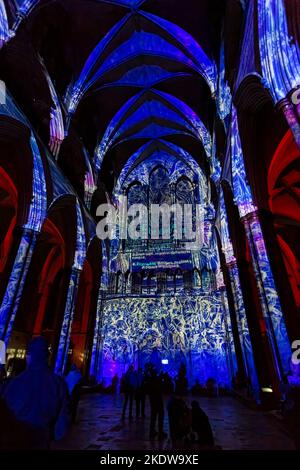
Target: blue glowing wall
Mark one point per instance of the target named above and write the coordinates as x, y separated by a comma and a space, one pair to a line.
189, 330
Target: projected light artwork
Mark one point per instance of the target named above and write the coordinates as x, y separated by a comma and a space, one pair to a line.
163, 301
183, 329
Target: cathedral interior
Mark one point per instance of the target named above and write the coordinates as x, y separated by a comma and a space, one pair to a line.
157, 102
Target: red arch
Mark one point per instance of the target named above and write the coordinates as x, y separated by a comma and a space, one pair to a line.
284, 203
11, 201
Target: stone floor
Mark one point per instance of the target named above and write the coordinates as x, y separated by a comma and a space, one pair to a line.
235, 427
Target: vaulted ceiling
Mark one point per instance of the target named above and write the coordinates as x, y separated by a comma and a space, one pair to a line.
127, 72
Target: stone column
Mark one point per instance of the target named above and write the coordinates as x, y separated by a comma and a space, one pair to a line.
231, 354
273, 316
43, 299
65, 334
14, 289
295, 99
243, 329
290, 113
97, 347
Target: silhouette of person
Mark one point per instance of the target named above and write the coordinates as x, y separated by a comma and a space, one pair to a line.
179, 424
201, 425
156, 406
73, 379
181, 384
140, 394
196, 389
36, 403
114, 383
129, 386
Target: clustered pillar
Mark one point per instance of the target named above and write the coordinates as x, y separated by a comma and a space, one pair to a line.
269, 300
14, 289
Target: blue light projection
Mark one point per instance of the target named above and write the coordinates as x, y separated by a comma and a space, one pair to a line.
25, 6
57, 131
279, 55
139, 44
183, 324
241, 189
154, 131
24, 9
36, 215
185, 329
269, 299
79, 257
270, 303
89, 180
241, 317
179, 47
145, 76
96, 357
4, 28
76, 91
224, 98
31, 228
205, 65
127, 3
177, 160
152, 104
13, 292
38, 204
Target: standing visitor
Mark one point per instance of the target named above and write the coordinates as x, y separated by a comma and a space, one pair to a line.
140, 394
179, 421
156, 406
35, 403
73, 379
201, 426
129, 387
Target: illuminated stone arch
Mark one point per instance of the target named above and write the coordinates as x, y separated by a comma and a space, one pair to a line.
4, 27
49, 272
179, 46
178, 153
86, 307
172, 115
283, 193
32, 205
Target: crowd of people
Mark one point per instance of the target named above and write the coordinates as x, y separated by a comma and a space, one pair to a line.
38, 406
186, 424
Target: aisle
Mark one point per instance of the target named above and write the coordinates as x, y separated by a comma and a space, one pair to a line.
235, 427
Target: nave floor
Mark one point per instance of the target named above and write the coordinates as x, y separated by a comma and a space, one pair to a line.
235, 427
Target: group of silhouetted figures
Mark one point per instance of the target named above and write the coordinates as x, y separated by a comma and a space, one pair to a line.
38, 406
186, 425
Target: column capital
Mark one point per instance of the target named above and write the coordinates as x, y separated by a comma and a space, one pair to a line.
284, 103
222, 288
294, 95
76, 270
232, 263
250, 216
23, 230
